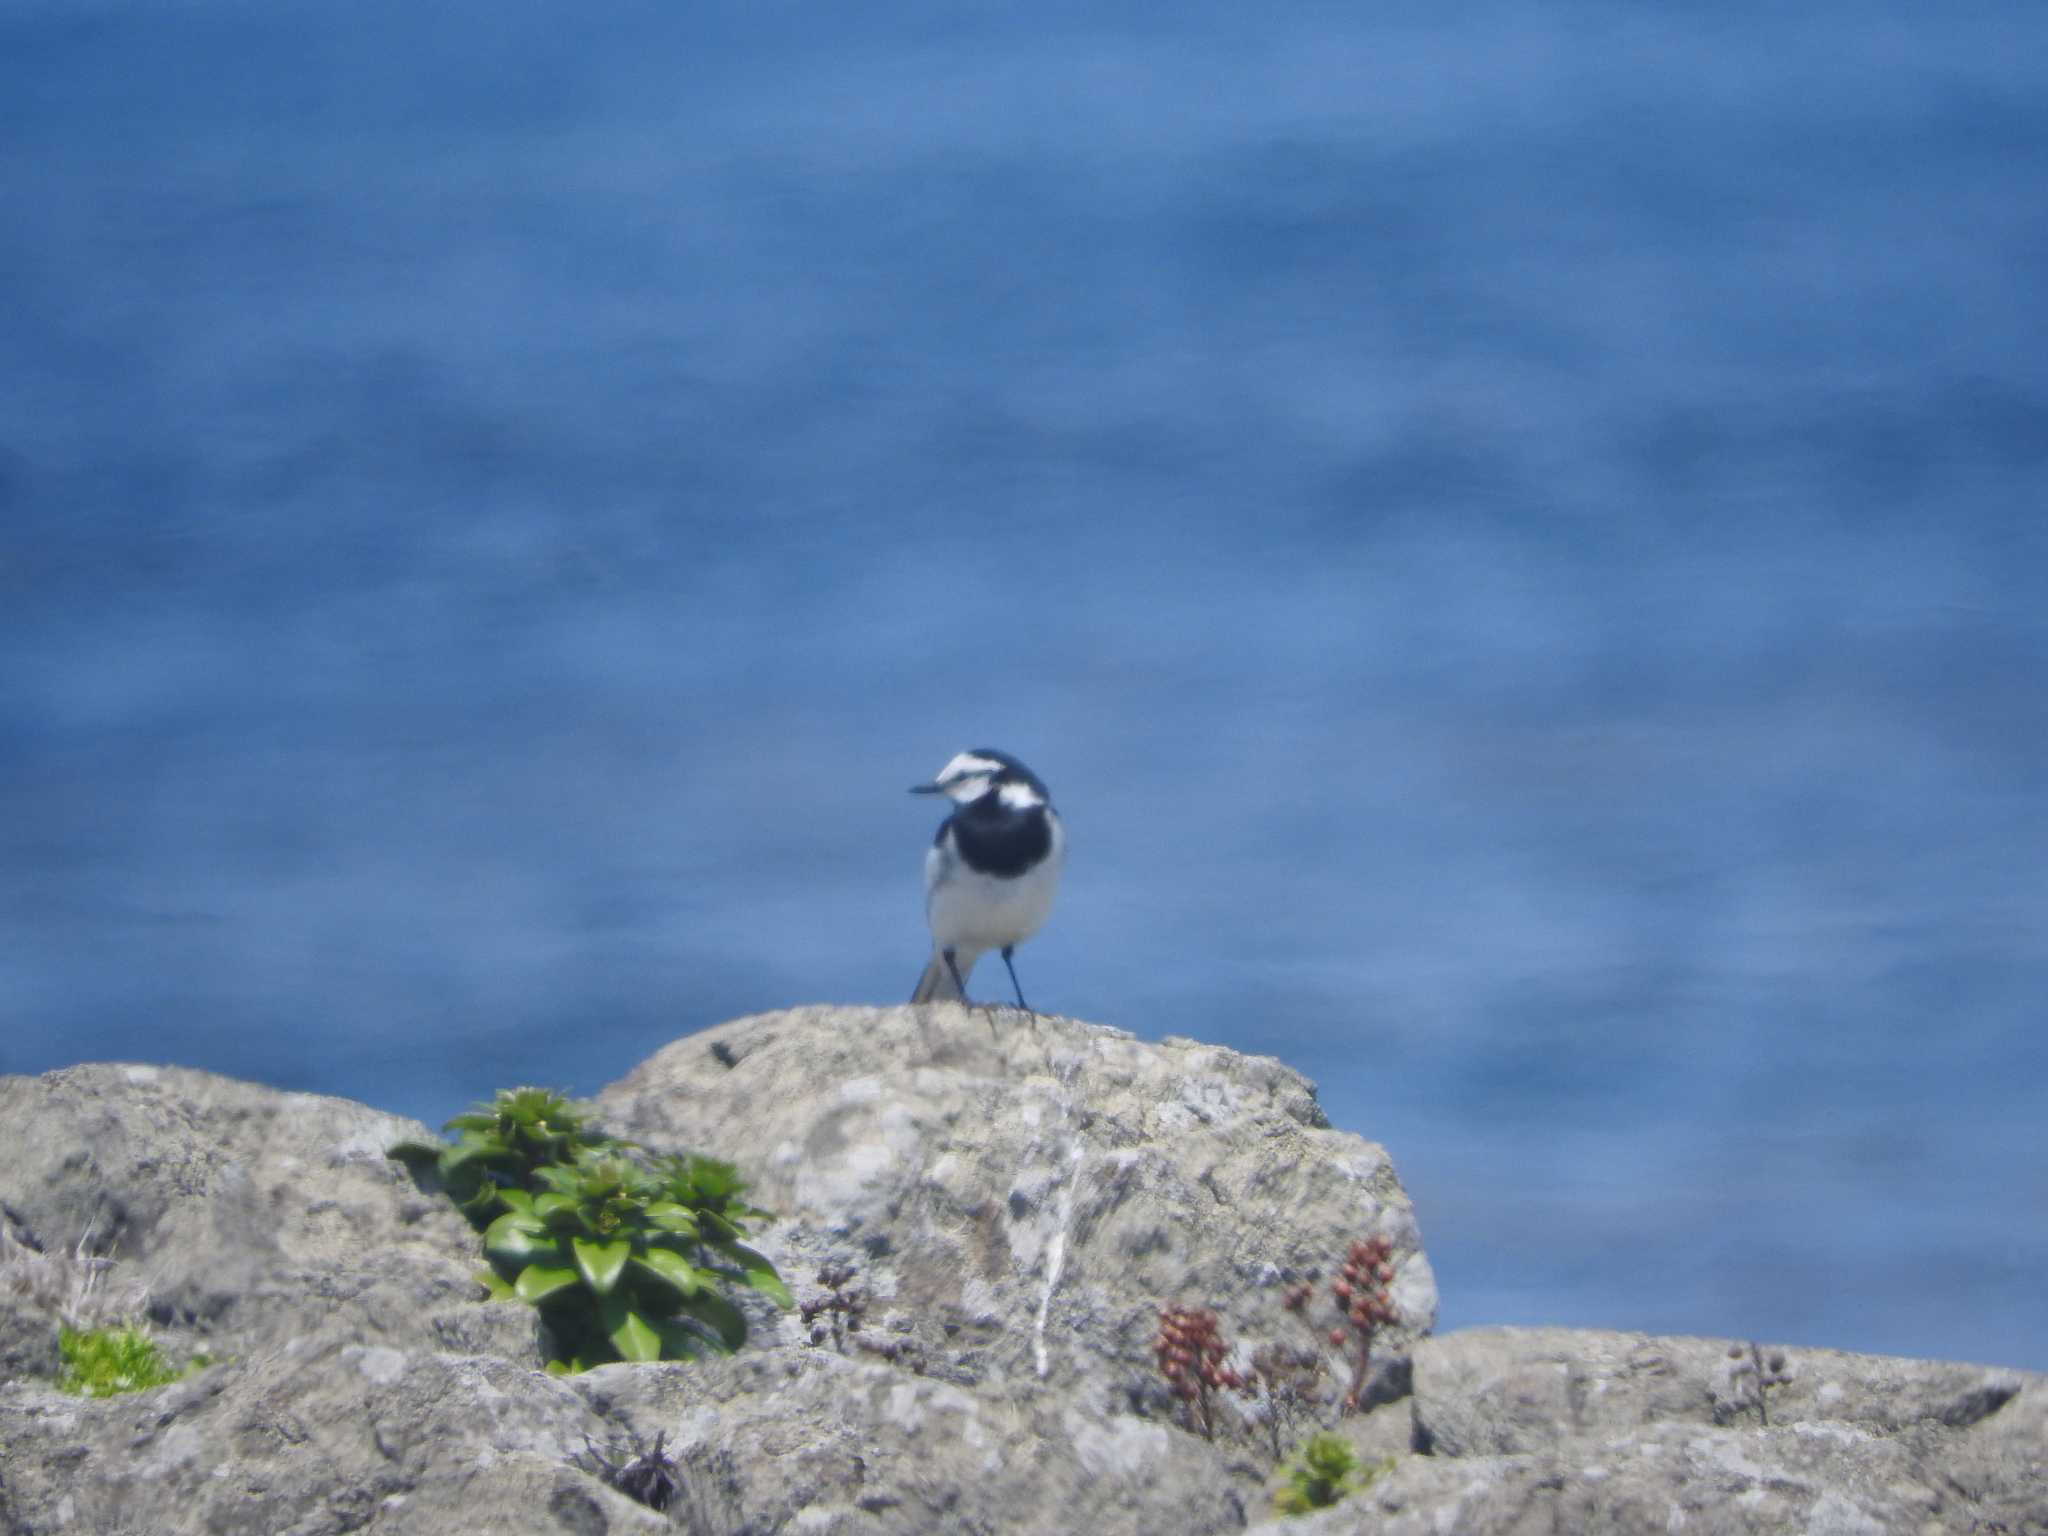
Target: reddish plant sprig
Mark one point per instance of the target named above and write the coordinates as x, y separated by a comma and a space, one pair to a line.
1365, 1305
1191, 1350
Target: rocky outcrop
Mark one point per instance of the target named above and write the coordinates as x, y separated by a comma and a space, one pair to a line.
1016, 1201
1021, 1196
1550, 1429
248, 1215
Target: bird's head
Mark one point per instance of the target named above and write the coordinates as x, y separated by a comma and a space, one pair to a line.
984, 771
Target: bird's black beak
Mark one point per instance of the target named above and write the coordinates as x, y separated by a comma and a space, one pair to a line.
926, 789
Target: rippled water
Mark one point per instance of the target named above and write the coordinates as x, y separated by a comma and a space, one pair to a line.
1515, 537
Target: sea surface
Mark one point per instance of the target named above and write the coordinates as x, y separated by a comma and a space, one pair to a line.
1517, 535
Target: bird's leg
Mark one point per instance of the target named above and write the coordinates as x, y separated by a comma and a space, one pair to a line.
960, 986
1007, 949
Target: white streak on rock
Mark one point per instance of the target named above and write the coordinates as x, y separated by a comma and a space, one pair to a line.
1056, 1256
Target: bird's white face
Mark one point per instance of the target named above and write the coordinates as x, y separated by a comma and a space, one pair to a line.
966, 778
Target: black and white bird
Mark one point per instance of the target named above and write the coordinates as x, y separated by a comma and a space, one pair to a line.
991, 873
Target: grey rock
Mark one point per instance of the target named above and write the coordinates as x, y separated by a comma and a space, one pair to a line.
316, 1437
1509, 1390
28, 1340
1017, 1208
1834, 1480
248, 1213
1543, 1429
1017, 1201
1021, 1195
851, 1445
1998, 1468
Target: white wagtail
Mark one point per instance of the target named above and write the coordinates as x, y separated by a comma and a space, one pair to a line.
992, 870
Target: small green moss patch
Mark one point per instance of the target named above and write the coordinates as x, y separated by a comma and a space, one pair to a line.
1322, 1471
101, 1362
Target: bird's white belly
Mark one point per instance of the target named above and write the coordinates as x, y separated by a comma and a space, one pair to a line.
970, 910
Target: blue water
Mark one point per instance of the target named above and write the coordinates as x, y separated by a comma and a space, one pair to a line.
1517, 535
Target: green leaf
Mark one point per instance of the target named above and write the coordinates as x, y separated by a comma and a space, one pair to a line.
631, 1334
682, 1340
530, 1106
721, 1316
716, 1228
761, 1274
516, 1236
672, 1268
517, 1200
563, 1180
671, 1217
498, 1287
601, 1262
487, 1140
559, 1211
474, 1156
537, 1282
715, 1180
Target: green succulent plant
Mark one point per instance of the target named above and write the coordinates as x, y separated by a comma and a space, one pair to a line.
1323, 1469
627, 1256
501, 1145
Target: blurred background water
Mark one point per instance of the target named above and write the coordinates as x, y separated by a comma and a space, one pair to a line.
1516, 535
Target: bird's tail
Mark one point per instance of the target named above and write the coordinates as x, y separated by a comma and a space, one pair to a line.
936, 984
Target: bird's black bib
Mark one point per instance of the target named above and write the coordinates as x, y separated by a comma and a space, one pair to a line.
999, 841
